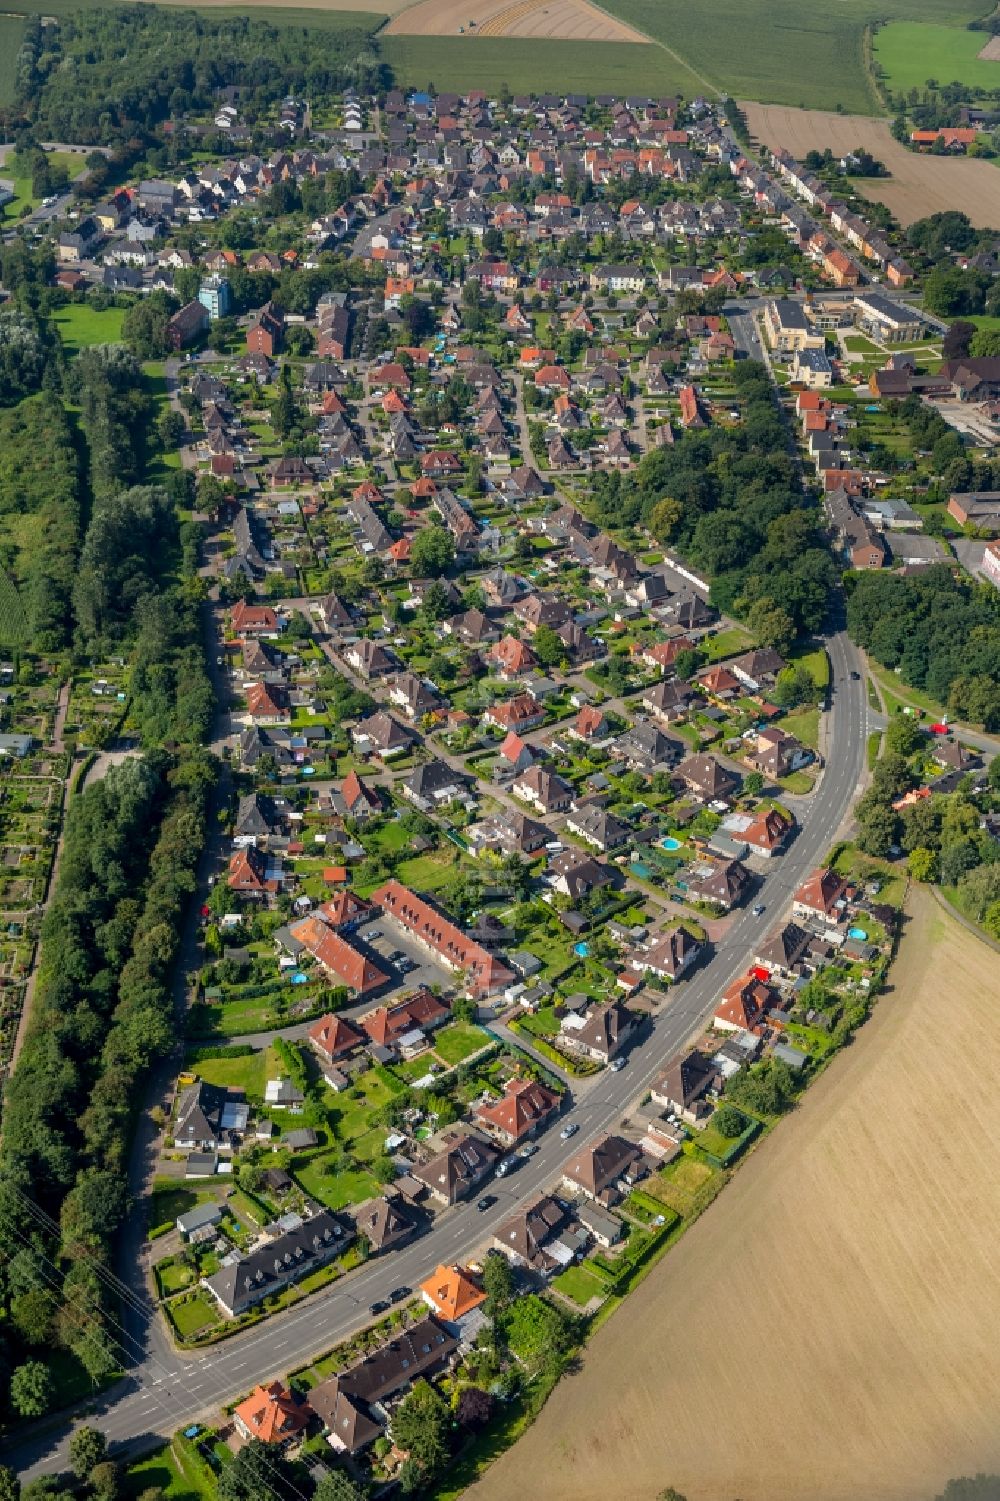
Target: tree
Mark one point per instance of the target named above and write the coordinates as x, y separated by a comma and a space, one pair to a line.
436, 604
32, 1389
432, 552
105, 1480
31, 1315
794, 686
922, 864
473, 1409
498, 1284
420, 1425
87, 1447
728, 1121
766, 1089
547, 647
877, 829
664, 517
770, 625
256, 1474
904, 735
10, 1486
753, 784
334, 1485
686, 663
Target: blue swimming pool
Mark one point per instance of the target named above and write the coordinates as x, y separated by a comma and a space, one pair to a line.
583, 949
638, 869
670, 843
300, 979
857, 933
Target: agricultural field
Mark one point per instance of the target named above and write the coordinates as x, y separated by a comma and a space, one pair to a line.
860, 1209
530, 65
919, 185
779, 50
911, 52
573, 19
11, 32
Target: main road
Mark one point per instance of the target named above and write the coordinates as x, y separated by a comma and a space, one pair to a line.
165, 1389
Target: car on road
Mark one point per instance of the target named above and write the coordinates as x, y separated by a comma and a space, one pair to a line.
855, 677
506, 1166
758, 910
569, 1130
486, 1202
618, 1065
381, 1306
529, 1149
399, 1293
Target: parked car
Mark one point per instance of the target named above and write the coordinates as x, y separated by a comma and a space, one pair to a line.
529, 1149
399, 1293
758, 910
569, 1130
486, 1202
506, 1166
618, 1065
381, 1306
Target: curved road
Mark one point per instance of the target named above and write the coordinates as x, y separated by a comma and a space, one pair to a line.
165, 1389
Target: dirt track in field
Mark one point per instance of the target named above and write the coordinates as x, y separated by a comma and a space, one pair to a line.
573, 20
831, 1328
919, 184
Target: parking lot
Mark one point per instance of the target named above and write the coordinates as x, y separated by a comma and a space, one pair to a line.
383, 939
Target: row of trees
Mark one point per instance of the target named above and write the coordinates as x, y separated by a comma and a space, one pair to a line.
39, 479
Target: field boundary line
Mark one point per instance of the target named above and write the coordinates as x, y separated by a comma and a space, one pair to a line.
655, 42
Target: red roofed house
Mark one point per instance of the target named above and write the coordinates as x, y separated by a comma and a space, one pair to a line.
589, 724
346, 964
420, 1012
248, 874
719, 682
439, 464
333, 1037
743, 1005
691, 414
520, 713
768, 831
271, 1414
451, 1293
268, 704
484, 972
511, 657
526, 1105
552, 378
359, 800
663, 654
253, 620
819, 894
344, 910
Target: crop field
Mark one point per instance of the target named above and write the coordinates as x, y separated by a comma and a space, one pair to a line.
781, 51
11, 32
827, 1329
919, 185
573, 19
526, 65
910, 52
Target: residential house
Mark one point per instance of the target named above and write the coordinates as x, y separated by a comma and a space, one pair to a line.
276, 1262
820, 896
669, 956
543, 790
350, 1404
525, 1107
271, 1414
458, 1170
680, 1086
707, 778
599, 1170
602, 1034
483, 972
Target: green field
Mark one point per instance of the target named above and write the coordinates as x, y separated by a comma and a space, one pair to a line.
81, 325
780, 51
526, 64
160, 1470
11, 32
911, 52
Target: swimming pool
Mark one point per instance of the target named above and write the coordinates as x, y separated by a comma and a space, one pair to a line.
638, 869
670, 843
856, 933
300, 979
583, 949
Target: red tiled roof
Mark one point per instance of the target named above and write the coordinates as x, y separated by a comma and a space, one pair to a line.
525, 1104
485, 973
421, 1009
332, 1036
336, 955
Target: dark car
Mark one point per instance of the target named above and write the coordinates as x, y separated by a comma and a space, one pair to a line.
376, 1308
399, 1293
486, 1202
855, 677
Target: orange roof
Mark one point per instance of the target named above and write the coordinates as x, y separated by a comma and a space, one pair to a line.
400, 551
336, 955
744, 1003
451, 1292
343, 907
525, 1104
272, 1414
333, 1035
512, 655
422, 1009
589, 721
333, 875
485, 973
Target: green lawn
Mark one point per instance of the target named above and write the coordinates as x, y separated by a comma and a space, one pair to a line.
428, 872
581, 1285
173, 1278
249, 1073
160, 1471
335, 1191
804, 725
818, 664
166, 1204
81, 325
684, 1186
726, 644
459, 1041
191, 1315
911, 52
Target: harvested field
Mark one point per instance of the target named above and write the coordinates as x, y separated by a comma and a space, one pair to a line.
576, 20
829, 1329
991, 52
919, 185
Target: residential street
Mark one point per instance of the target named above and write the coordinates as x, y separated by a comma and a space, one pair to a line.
166, 1390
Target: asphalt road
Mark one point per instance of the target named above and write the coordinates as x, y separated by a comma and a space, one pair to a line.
166, 1390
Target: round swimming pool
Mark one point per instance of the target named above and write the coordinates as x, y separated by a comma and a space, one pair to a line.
670, 843
583, 949
858, 933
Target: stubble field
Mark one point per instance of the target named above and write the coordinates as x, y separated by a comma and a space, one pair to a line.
575, 20
831, 1328
919, 185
